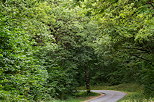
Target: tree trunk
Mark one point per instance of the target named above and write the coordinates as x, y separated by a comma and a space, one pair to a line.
87, 80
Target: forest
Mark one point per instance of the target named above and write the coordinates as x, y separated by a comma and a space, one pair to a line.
50, 48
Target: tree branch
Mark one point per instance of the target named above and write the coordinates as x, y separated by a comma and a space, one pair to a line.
150, 62
141, 49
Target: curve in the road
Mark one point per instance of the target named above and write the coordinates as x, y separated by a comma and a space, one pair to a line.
109, 96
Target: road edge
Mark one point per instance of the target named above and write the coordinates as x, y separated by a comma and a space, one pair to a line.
101, 94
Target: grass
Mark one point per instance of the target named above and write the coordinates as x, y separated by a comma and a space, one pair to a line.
135, 97
134, 92
78, 97
69, 100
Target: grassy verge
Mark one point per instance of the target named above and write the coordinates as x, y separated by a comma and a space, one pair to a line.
134, 92
78, 97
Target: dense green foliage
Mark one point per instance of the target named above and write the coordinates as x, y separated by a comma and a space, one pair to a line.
50, 47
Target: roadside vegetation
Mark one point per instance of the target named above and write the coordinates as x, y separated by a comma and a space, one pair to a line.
79, 97
49, 48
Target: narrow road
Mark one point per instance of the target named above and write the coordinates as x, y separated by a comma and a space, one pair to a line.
110, 96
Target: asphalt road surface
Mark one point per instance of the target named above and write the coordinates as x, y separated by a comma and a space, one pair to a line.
109, 96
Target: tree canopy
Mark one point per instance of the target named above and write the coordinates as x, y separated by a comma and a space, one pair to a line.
48, 48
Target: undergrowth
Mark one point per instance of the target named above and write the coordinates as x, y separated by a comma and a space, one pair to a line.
78, 97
